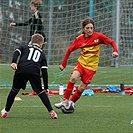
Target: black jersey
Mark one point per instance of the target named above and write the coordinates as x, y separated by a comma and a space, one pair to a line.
31, 59
36, 23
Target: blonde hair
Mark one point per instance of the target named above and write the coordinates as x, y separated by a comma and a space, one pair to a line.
37, 38
36, 3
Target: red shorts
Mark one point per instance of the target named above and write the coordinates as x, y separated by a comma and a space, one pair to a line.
85, 74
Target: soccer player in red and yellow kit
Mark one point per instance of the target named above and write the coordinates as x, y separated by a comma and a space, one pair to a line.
89, 42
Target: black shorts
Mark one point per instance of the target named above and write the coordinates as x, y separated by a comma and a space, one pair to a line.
20, 80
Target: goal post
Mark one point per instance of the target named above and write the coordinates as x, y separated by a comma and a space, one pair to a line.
62, 23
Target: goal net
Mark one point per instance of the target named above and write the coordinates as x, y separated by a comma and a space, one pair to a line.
62, 22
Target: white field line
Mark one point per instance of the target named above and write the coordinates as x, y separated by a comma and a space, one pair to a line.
112, 95
94, 106
28, 106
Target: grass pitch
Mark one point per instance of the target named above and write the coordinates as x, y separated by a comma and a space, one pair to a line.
104, 76
101, 113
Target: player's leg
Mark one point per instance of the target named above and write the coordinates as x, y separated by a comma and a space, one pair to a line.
45, 100
78, 92
42, 33
75, 75
9, 102
85, 80
18, 82
36, 85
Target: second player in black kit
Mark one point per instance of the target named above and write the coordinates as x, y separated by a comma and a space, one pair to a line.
27, 68
36, 21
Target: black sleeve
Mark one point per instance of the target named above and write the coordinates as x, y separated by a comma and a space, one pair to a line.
15, 56
25, 23
45, 77
17, 53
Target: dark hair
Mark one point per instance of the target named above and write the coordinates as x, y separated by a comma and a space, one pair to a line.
88, 21
85, 22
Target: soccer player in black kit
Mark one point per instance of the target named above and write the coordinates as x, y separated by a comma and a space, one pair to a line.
36, 21
28, 61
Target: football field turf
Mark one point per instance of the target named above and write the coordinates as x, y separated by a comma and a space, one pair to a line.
101, 113
105, 76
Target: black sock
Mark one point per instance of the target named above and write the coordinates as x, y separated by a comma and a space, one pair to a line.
10, 100
45, 101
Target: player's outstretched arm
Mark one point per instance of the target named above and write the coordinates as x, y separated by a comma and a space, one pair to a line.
46, 91
12, 24
114, 54
14, 66
61, 67
45, 78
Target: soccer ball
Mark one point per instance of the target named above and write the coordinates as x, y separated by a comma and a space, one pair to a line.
68, 107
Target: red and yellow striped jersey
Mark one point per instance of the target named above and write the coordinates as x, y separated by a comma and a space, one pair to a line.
90, 49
